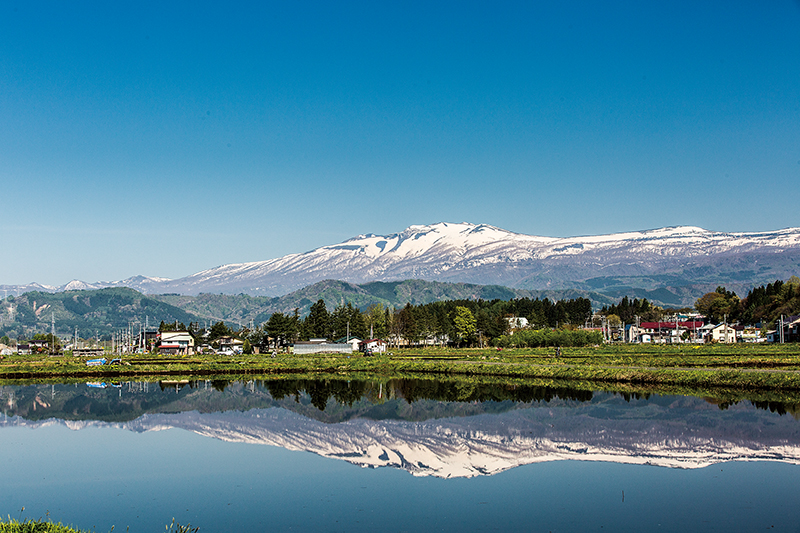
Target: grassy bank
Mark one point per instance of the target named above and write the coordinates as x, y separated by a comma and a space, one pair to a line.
46, 526
35, 526
738, 367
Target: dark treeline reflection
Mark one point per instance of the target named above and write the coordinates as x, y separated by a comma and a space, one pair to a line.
347, 393
126, 401
411, 390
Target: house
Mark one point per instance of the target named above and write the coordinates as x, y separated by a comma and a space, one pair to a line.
631, 333
372, 346
722, 333
39, 346
772, 336
175, 343
230, 345
88, 352
749, 334
352, 341
790, 331
672, 332
704, 331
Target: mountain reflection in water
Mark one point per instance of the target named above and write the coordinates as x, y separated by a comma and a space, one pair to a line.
426, 427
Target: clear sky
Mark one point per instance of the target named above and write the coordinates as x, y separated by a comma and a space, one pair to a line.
164, 138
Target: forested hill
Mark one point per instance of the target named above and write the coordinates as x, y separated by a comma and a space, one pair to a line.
241, 308
97, 311
110, 309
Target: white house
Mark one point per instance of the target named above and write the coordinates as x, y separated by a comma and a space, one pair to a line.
722, 333
176, 343
352, 341
230, 345
373, 345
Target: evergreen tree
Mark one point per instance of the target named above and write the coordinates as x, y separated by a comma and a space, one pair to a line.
317, 323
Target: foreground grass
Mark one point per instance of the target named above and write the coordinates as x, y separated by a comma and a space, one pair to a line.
35, 526
46, 526
736, 367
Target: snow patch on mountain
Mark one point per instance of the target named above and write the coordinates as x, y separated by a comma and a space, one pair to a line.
483, 254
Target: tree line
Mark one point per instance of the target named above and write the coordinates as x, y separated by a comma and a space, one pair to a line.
764, 304
456, 322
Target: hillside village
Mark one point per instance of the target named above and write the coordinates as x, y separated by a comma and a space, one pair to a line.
769, 314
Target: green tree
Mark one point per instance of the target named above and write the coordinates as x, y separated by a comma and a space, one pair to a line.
279, 328
346, 317
171, 326
406, 324
219, 330
718, 304
52, 342
375, 321
464, 323
317, 323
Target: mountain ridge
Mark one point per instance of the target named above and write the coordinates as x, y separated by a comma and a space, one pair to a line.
486, 255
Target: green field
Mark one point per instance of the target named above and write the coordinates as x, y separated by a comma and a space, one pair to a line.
737, 367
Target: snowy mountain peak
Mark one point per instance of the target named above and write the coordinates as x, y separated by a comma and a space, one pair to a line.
77, 285
484, 254
487, 255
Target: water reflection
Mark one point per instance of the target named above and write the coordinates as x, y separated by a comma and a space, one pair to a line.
427, 427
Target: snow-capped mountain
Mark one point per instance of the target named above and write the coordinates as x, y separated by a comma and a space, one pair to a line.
143, 284
485, 254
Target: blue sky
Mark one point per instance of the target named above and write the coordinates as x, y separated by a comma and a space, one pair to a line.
165, 138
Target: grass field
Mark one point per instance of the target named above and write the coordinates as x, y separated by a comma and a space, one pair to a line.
745, 367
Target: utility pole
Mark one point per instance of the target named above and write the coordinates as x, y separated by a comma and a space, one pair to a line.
52, 332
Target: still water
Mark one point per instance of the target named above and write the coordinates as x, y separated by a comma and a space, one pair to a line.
399, 455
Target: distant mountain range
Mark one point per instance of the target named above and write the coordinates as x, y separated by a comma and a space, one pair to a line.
105, 310
669, 265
